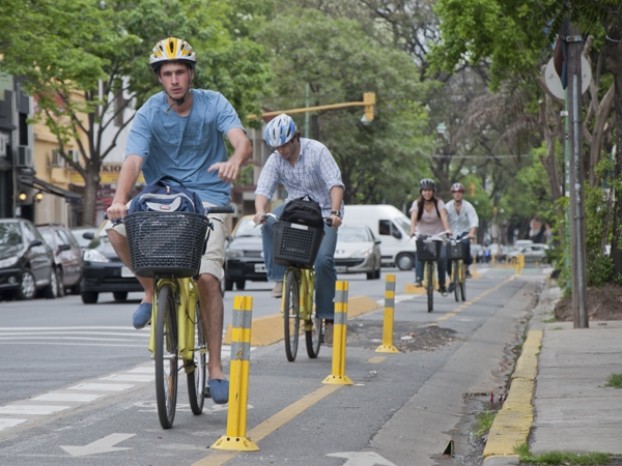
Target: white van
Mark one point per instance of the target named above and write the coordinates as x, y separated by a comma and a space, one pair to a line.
391, 227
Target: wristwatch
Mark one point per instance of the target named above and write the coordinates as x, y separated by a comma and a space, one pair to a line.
335, 212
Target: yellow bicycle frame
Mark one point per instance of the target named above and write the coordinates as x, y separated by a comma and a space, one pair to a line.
306, 288
185, 289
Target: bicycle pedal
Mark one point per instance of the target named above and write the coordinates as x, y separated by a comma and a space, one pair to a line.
207, 393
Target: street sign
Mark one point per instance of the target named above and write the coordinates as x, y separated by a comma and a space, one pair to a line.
554, 83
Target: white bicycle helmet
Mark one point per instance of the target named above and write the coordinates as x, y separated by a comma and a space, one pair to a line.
172, 49
457, 187
280, 130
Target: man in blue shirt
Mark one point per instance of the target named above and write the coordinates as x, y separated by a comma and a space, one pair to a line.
180, 132
305, 167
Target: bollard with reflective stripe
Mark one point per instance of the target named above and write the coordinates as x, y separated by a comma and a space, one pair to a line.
239, 366
387, 328
338, 375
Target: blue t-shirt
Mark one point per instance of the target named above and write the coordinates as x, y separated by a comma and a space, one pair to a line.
184, 147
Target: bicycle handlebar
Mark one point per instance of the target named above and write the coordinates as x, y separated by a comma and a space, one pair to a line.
221, 209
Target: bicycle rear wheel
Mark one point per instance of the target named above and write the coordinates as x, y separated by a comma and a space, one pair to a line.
455, 278
291, 314
313, 336
196, 378
462, 280
165, 355
429, 273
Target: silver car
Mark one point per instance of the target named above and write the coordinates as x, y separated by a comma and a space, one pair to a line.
358, 251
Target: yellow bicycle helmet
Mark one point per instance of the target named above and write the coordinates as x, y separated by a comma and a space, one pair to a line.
172, 49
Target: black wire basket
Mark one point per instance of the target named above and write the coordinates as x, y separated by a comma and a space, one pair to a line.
295, 244
455, 250
166, 243
428, 250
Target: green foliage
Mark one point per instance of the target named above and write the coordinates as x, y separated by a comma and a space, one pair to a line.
484, 422
555, 458
321, 60
614, 380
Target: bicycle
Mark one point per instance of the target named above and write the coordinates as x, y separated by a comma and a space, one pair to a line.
455, 254
168, 247
428, 252
296, 247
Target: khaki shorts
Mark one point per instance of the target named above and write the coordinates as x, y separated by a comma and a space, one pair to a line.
214, 257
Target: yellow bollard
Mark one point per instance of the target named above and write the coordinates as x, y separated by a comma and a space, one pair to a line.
236, 439
387, 328
338, 375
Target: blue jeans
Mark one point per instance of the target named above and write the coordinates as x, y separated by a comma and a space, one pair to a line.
325, 273
441, 267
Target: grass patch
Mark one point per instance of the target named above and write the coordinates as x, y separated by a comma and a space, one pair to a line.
556, 458
615, 381
483, 422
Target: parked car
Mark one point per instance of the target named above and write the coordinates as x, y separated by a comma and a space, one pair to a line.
67, 256
358, 251
104, 272
532, 252
26, 261
79, 235
244, 255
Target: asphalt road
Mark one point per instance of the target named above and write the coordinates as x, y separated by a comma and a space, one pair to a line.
77, 383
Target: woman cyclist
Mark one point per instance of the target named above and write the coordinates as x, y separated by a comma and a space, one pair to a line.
429, 217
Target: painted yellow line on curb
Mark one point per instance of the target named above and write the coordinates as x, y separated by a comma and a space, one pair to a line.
513, 422
273, 423
269, 329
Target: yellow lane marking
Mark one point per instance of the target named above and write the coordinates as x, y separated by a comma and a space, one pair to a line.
273, 423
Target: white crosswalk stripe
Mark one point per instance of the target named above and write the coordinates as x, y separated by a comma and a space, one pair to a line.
84, 392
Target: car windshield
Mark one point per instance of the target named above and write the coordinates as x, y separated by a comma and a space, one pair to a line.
247, 228
351, 234
10, 234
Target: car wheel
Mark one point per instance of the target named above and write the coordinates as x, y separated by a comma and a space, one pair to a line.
27, 288
51, 291
404, 261
240, 284
89, 297
228, 284
60, 287
119, 295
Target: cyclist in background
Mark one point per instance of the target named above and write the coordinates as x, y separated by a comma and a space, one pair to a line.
180, 132
429, 217
463, 222
305, 167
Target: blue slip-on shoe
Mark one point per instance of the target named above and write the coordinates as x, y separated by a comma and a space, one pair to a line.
218, 390
142, 315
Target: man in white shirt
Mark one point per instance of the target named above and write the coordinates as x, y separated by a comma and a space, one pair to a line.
463, 223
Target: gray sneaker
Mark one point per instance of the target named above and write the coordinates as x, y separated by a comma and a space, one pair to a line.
277, 291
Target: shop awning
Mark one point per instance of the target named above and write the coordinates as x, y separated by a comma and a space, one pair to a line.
49, 188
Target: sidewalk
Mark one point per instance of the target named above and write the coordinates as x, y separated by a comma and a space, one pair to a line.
557, 399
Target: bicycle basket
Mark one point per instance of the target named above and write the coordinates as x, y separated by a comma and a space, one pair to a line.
295, 244
167, 243
455, 251
428, 250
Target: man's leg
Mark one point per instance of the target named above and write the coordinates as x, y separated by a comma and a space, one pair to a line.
212, 308
326, 275
274, 271
118, 239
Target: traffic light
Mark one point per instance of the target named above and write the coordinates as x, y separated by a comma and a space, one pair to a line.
369, 100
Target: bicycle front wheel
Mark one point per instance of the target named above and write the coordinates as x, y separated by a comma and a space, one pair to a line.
196, 378
429, 272
165, 355
291, 314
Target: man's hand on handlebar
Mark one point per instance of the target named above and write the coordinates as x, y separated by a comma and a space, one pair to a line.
116, 212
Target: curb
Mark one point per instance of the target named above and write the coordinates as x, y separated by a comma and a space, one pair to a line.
513, 422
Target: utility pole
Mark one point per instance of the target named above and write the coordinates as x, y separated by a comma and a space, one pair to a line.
574, 45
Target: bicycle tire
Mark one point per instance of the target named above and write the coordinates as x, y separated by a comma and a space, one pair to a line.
462, 281
455, 278
429, 272
291, 314
196, 378
166, 357
313, 336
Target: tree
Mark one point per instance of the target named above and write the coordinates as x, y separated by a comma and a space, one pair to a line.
326, 60
86, 63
